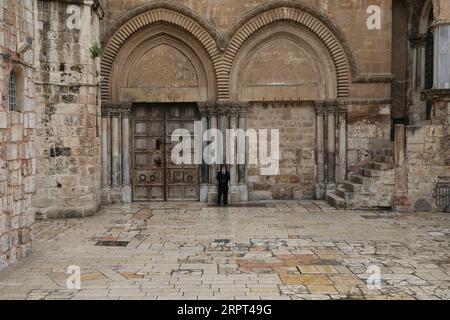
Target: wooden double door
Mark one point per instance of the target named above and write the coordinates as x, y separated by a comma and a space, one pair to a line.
155, 176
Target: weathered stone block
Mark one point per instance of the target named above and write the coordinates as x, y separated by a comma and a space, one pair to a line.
3, 120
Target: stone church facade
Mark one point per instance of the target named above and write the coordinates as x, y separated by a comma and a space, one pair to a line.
90, 92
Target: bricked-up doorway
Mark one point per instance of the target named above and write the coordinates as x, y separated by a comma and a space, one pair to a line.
155, 176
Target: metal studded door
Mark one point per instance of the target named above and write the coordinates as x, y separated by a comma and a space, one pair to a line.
156, 177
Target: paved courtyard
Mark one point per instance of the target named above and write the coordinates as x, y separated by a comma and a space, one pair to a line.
288, 250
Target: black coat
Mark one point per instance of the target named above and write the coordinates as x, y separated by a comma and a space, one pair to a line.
223, 179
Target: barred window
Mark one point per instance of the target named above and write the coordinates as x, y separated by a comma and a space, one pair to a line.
13, 99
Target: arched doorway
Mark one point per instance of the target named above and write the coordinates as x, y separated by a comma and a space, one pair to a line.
156, 73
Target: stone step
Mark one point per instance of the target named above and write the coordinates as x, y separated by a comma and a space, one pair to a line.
354, 178
385, 152
344, 193
336, 201
384, 159
370, 173
351, 187
381, 166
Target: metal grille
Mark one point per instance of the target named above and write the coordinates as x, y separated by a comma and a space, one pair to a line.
442, 194
13, 106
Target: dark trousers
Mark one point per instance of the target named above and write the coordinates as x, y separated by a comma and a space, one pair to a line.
223, 193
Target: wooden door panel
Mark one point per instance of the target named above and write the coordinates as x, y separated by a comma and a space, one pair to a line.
156, 177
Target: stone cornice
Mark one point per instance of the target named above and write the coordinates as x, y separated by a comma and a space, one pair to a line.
366, 102
374, 78
436, 95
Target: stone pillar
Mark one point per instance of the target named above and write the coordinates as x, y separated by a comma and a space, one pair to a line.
242, 122
204, 187
331, 149
342, 166
223, 126
234, 190
106, 177
320, 124
126, 152
115, 150
116, 153
400, 199
213, 192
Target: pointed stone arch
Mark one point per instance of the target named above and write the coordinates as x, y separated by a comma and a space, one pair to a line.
293, 11
148, 14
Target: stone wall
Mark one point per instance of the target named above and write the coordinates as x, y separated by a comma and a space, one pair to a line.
371, 47
17, 132
427, 159
68, 169
368, 131
296, 122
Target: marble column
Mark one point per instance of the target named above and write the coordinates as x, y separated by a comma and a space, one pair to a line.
204, 187
242, 122
116, 153
212, 192
320, 124
223, 126
126, 163
106, 177
115, 150
234, 190
331, 149
342, 172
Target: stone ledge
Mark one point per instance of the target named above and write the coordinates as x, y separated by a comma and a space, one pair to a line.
436, 95
65, 213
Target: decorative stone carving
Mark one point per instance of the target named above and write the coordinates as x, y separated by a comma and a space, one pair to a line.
122, 110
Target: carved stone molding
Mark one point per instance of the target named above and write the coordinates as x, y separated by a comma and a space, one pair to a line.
295, 12
330, 106
122, 110
222, 49
418, 41
230, 108
365, 102
374, 78
154, 13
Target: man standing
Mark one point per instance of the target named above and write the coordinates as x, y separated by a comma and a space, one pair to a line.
223, 178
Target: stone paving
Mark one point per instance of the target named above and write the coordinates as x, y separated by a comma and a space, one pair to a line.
286, 250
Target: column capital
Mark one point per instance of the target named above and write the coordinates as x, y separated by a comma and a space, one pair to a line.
207, 109
326, 106
418, 41
117, 109
232, 108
